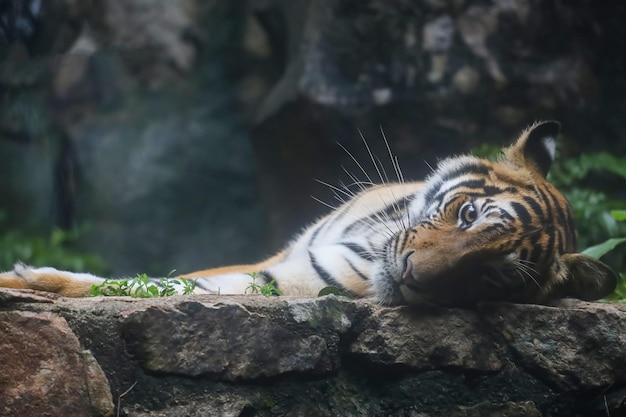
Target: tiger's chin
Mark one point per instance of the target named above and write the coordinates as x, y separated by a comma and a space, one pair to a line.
391, 289
463, 287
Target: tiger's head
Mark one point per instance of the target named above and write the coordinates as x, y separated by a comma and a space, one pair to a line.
484, 230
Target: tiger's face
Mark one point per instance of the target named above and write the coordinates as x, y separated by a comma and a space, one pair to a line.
484, 230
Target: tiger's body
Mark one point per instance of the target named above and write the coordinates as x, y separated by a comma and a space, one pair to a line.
474, 230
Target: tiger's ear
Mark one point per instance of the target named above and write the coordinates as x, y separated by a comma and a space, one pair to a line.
587, 278
536, 147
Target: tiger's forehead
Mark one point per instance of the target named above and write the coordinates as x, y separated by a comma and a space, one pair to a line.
473, 172
474, 177
496, 171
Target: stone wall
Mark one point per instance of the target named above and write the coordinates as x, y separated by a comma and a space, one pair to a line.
258, 356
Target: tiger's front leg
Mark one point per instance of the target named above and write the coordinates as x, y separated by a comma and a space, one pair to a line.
64, 283
225, 280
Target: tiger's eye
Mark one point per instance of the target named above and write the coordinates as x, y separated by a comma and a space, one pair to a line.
468, 214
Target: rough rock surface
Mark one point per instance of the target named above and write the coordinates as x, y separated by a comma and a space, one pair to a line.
444, 338
204, 332
45, 371
559, 344
252, 355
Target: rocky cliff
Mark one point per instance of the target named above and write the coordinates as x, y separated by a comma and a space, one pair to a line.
252, 355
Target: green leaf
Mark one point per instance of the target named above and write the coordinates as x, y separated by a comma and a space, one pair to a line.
190, 285
619, 215
95, 290
270, 290
597, 251
335, 291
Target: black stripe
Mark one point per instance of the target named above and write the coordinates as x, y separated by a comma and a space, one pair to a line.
535, 206
562, 222
474, 184
560, 241
546, 201
324, 274
398, 206
449, 203
572, 236
494, 227
491, 190
559, 210
359, 250
468, 168
505, 214
359, 222
354, 268
430, 194
524, 254
521, 213
268, 277
535, 254
315, 233
470, 184
199, 284
550, 220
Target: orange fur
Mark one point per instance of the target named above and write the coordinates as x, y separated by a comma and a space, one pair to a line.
245, 269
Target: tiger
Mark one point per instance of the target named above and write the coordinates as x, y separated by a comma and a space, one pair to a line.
474, 230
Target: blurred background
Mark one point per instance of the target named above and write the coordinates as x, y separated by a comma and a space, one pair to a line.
151, 135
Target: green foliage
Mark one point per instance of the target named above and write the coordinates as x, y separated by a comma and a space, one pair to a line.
142, 287
335, 291
571, 171
269, 290
55, 248
601, 249
487, 150
619, 215
597, 251
594, 185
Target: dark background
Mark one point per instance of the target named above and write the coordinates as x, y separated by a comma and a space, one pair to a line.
189, 133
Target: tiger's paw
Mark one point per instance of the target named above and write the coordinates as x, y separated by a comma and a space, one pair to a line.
13, 279
68, 284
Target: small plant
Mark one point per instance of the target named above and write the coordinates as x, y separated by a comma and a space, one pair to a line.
269, 290
142, 287
189, 285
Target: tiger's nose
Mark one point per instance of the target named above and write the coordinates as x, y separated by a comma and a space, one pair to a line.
408, 268
407, 271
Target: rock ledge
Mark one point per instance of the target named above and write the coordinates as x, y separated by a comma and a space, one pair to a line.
252, 355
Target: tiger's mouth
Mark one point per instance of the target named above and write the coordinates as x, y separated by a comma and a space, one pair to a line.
461, 285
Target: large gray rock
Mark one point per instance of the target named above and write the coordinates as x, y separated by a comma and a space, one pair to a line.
431, 339
45, 371
558, 344
208, 346
253, 355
